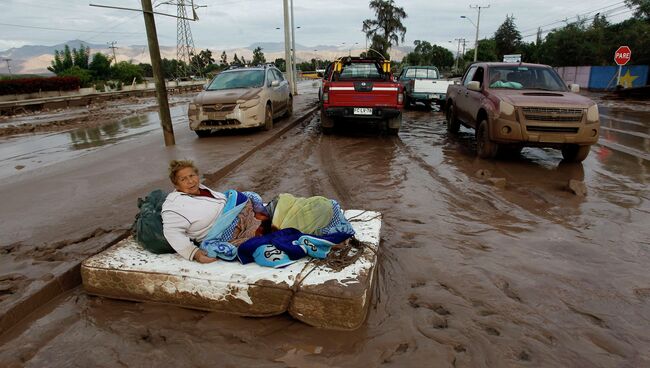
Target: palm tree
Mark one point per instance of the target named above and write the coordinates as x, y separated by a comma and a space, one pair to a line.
387, 30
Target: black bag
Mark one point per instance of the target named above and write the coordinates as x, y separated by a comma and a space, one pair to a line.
148, 226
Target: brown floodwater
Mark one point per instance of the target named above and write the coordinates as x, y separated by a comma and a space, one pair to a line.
471, 273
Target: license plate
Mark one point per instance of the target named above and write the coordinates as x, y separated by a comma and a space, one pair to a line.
362, 111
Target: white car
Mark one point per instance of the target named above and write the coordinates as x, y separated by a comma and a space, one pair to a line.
241, 98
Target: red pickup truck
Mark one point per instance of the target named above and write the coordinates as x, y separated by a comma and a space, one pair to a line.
361, 89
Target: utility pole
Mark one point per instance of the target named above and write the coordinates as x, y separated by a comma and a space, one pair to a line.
478, 23
287, 45
294, 88
159, 78
8, 66
112, 46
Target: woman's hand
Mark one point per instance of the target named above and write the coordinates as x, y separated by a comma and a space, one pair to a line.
201, 257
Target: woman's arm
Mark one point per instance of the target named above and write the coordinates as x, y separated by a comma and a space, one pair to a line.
175, 230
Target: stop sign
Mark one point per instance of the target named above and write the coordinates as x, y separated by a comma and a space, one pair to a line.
622, 55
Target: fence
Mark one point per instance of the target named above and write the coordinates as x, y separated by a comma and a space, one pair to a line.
604, 77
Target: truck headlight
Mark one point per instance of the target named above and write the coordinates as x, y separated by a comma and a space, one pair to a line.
247, 104
507, 111
592, 114
506, 108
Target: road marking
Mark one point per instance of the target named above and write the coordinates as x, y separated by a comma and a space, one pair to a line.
624, 149
636, 134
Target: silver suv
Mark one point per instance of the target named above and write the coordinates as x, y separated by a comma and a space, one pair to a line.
241, 98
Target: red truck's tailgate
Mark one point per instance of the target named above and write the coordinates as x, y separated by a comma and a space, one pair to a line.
345, 94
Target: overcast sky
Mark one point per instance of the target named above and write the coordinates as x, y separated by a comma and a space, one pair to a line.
238, 23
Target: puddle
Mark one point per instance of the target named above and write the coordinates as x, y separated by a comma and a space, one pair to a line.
29, 152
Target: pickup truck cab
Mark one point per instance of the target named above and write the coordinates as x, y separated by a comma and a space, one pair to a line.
423, 84
356, 88
514, 105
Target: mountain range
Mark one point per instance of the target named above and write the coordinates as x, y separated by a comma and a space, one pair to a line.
34, 59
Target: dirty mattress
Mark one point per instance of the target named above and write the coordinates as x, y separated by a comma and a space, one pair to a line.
332, 293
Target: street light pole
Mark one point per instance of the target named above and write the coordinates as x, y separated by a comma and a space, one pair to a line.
478, 23
287, 45
294, 87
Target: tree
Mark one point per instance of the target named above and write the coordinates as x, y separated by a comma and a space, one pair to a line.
641, 8
201, 61
80, 57
224, 59
258, 56
507, 38
387, 30
427, 54
62, 61
236, 61
280, 64
85, 77
486, 52
147, 70
126, 72
100, 66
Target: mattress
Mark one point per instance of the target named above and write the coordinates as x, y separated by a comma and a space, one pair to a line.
332, 293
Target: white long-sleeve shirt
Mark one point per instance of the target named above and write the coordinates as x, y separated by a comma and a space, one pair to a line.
188, 217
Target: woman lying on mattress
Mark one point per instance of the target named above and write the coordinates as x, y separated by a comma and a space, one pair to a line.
202, 224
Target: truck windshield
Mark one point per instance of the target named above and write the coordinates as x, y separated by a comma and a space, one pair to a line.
418, 73
361, 71
525, 77
237, 79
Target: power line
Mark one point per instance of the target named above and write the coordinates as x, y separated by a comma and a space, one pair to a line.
564, 20
58, 29
575, 22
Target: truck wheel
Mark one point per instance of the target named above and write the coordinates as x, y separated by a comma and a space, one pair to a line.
453, 125
393, 125
326, 123
575, 153
203, 133
268, 118
485, 147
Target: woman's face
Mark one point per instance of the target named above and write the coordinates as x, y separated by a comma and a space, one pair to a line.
187, 181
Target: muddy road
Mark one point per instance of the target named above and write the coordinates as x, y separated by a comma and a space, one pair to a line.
482, 263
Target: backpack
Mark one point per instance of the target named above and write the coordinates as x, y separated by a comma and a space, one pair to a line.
148, 226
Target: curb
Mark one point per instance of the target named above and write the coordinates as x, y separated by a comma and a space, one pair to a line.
66, 278
69, 276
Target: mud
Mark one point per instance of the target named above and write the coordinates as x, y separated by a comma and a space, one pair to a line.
471, 274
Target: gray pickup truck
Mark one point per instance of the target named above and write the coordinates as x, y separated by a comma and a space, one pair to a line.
511, 106
423, 84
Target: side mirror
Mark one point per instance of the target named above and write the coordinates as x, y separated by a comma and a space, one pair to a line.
575, 88
205, 86
474, 86
275, 83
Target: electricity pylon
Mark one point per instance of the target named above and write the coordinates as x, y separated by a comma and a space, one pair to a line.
184, 41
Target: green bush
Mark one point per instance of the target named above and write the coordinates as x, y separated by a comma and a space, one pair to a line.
85, 77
